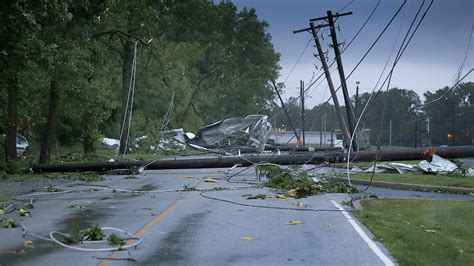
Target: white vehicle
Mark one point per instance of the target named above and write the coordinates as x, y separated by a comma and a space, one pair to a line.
21, 145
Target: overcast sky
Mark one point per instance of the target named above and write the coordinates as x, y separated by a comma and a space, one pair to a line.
429, 63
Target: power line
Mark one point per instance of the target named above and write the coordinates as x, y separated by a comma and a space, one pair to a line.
450, 89
344, 7
350, 42
375, 42
458, 73
298, 60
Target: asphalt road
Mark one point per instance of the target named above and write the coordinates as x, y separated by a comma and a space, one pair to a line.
185, 228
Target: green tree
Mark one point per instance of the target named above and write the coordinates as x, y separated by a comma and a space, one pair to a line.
402, 107
450, 114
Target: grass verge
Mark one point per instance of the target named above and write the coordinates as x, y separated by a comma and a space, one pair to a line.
4, 198
422, 232
436, 180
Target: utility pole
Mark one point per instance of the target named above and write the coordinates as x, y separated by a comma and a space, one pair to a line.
357, 100
342, 124
302, 109
452, 123
323, 128
350, 113
321, 131
284, 109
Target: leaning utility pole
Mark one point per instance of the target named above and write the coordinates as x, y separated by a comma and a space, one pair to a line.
302, 110
350, 112
342, 124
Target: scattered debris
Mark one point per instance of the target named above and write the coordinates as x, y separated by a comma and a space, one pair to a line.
210, 180
2, 212
110, 143
295, 222
299, 184
9, 223
52, 189
93, 233
437, 165
78, 206
299, 204
28, 244
247, 238
24, 212
189, 188
115, 240
258, 196
251, 131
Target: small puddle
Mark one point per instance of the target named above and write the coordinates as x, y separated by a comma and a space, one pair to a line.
81, 219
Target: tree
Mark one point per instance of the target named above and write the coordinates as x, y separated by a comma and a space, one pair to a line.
20, 22
69, 24
450, 114
400, 106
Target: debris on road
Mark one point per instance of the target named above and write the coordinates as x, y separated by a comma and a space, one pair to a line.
295, 222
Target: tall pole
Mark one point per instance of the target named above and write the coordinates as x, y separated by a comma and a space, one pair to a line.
357, 100
340, 68
342, 124
452, 123
302, 109
284, 109
321, 132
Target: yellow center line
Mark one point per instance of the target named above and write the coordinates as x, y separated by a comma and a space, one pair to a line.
143, 230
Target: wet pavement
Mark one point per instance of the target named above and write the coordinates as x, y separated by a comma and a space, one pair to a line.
216, 227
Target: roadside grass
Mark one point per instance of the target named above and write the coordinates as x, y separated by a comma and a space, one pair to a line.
4, 198
422, 232
423, 179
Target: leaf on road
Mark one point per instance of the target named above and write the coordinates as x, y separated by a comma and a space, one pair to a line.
2, 212
295, 222
291, 193
29, 244
281, 196
210, 180
23, 212
299, 204
247, 238
189, 177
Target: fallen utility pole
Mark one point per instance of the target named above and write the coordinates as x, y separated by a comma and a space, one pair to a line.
295, 159
350, 112
342, 124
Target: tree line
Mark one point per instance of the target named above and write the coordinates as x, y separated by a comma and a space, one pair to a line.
66, 67
445, 117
